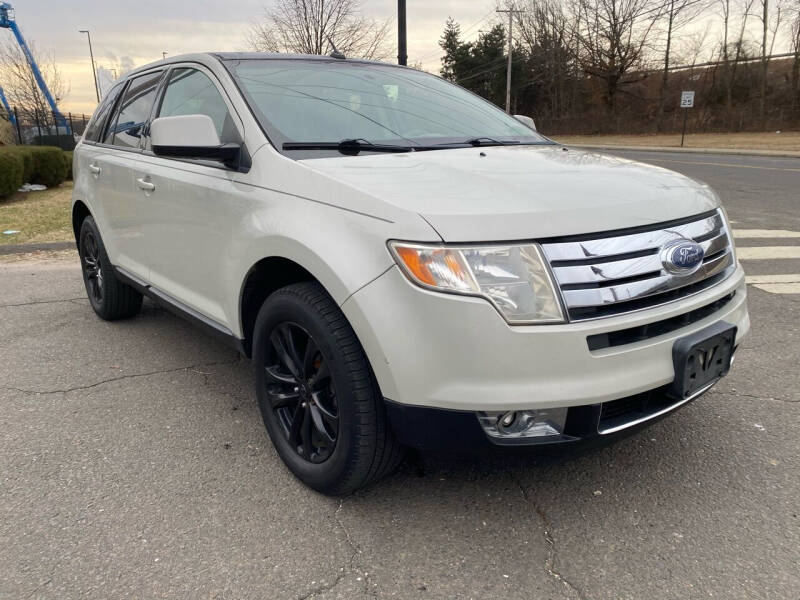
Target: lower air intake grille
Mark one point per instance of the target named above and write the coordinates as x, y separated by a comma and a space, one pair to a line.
651, 330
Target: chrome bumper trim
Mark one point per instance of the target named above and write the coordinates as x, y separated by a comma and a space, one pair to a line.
663, 411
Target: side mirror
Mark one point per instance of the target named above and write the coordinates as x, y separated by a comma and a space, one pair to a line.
191, 136
526, 121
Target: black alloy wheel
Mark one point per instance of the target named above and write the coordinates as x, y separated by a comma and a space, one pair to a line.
92, 267
301, 392
110, 298
318, 397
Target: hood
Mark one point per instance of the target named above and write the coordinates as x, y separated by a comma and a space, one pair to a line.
522, 192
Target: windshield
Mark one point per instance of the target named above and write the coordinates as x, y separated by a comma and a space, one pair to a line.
330, 101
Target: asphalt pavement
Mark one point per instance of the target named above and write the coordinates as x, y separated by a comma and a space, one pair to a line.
133, 464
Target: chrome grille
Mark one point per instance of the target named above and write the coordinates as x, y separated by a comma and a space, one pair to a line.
617, 272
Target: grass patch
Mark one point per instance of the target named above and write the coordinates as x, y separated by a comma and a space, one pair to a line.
785, 141
39, 216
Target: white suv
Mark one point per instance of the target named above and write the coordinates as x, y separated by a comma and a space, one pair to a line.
406, 264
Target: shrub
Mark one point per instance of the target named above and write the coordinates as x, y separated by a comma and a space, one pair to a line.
68, 158
50, 165
46, 165
26, 154
11, 168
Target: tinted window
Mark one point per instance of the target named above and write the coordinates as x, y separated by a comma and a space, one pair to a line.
133, 112
95, 127
191, 92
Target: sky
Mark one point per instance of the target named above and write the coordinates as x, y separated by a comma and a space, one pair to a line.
126, 34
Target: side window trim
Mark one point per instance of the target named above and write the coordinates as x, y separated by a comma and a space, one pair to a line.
160, 91
117, 108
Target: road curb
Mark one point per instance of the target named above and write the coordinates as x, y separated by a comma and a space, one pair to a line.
729, 151
28, 248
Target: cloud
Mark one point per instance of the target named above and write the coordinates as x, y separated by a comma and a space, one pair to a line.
130, 34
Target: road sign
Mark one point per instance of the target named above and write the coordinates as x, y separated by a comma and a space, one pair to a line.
687, 101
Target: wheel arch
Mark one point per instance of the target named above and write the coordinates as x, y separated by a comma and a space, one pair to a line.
79, 212
263, 279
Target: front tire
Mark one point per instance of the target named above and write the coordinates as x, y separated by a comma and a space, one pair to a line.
110, 298
318, 397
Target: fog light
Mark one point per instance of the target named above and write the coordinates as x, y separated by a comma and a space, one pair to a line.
524, 426
507, 419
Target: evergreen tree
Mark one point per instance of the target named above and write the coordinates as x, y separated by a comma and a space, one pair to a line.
454, 49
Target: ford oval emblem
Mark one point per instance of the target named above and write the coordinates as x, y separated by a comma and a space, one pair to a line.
682, 257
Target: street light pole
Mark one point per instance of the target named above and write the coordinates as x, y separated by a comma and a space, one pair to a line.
94, 69
163, 55
511, 13
402, 46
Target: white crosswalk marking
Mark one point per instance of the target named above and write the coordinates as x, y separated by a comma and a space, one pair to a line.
794, 278
768, 252
764, 233
754, 256
779, 288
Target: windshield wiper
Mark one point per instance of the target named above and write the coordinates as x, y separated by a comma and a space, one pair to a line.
347, 147
487, 141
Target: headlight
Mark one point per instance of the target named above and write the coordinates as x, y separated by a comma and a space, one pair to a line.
513, 278
727, 224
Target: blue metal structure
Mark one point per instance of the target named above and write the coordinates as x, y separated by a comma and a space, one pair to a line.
7, 21
3, 99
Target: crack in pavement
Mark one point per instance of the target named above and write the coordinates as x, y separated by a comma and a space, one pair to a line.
31, 303
122, 377
349, 567
39, 587
550, 562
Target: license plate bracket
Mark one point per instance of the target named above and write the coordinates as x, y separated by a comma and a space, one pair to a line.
702, 358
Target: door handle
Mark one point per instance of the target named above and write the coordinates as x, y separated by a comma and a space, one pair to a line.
95, 169
145, 185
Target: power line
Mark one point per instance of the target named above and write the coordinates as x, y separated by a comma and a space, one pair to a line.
480, 21
459, 80
474, 70
463, 33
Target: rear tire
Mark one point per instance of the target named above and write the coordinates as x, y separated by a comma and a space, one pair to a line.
322, 406
110, 298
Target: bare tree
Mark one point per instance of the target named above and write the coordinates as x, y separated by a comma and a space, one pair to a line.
543, 29
691, 47
730, 65
770, 23
676, 14
795, 46
613, 37
20, 85
304, 27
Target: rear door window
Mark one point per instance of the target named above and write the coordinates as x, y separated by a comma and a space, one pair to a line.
127, 128
95, 128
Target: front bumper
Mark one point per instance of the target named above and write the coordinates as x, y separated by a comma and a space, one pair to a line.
457, 353
435, 429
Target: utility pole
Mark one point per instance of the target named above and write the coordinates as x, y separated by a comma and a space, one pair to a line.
511, 12
402, 48
94, 69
